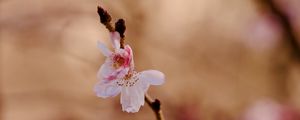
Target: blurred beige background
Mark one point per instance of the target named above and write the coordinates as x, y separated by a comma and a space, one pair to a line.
218, 56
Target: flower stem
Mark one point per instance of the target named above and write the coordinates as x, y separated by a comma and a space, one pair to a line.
155, 106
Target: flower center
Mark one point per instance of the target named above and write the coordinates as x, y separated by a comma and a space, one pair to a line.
128, 76
118, 61
129, 80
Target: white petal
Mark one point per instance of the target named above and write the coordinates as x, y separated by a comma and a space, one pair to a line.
144, 85
105, 90
115, 39
132, 98
154, 77
105, 51
105, 70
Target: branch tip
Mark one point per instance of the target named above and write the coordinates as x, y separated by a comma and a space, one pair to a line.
120, 27
104, 16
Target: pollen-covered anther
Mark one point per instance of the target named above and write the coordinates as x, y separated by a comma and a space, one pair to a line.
128, 76
129, 80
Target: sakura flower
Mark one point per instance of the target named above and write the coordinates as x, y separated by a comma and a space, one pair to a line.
117, 75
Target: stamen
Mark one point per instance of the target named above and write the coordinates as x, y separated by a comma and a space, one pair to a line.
129, 80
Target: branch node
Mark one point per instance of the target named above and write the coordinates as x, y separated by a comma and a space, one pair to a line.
156, 105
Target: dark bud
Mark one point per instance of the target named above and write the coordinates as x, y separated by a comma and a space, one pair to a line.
120, 27
156, 105
104, 16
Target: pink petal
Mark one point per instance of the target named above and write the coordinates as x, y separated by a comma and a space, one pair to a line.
130, 53
115, 39
107, 73
105, 90
120, 73
105, 51
154, 77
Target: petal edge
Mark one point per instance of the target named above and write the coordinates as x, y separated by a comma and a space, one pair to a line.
105, 90
154, 77
105, 51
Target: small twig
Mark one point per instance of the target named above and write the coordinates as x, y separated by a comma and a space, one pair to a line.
155, 106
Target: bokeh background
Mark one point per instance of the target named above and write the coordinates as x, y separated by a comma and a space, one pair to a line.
223, 59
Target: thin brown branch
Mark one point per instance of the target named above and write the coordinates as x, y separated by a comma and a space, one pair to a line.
155, 106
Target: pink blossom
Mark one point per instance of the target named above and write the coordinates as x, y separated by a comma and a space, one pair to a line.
117, 75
